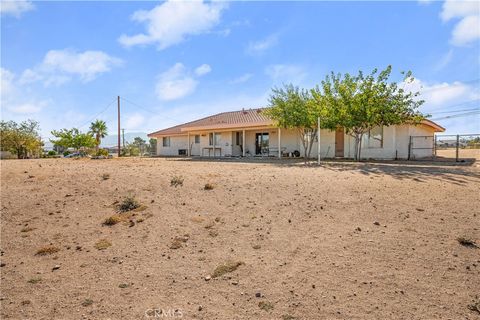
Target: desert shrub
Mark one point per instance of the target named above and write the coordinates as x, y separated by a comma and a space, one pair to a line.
102, 152
102, 244
105, 176
51, 153
467, 242
66, 153
87, 302
112, 220
176, 181
265, 305
227, 267
128, 204
208, 186
47, 250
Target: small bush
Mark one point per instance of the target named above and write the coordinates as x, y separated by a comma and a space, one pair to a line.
113, 220
87, 302
102, 152
51, 153
128, 204
466, 242
176, 181
265, 305
208, 186
34, 280
227, 267
102, 244
47, 250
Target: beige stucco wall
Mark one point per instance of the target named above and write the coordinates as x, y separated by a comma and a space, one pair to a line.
395, 143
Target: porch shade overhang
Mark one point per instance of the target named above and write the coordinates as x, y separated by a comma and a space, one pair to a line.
436, 127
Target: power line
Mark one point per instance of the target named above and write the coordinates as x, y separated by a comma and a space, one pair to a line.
458, 115
454, 111
146, 109
101, 112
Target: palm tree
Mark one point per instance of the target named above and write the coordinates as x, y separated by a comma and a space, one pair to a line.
99, 130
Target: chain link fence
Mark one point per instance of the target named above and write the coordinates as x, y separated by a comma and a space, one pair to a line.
459, 148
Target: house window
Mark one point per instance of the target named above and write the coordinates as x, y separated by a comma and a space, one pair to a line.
197, 138
166, 141
217, 138
374, 138
238, 138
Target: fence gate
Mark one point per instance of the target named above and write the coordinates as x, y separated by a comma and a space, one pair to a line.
460, 148
421, 147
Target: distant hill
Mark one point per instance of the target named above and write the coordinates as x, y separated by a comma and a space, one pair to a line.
111, 140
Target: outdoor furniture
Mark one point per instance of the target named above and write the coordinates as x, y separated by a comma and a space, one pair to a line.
211, 149
274, 151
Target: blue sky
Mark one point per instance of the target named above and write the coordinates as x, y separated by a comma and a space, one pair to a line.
63, 63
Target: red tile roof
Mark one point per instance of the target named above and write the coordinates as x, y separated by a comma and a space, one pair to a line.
237, 119
232, 119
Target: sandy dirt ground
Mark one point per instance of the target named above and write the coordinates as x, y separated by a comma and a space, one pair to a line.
340, 241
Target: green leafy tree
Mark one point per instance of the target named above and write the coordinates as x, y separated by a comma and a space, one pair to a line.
21, 139
360, 103
99, 129
291, 107
73, 138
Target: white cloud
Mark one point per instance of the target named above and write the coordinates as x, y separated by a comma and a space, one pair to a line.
444, 61
202, 70
27, 108
172, 21
286, 73
243, 78
175, 83
134, 121
443, 94
58, 67
16, 8
6, 80
467, 30
259, 47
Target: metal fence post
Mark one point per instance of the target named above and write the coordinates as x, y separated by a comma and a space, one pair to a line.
456, 150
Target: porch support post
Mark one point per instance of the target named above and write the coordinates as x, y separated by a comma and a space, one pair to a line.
214, 144
243, 143
279, 144
188, 148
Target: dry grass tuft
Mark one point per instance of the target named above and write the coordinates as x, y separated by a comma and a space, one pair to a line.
467, 242
475, 305
177, 242
47, 250
265, 305
34, 280
208, 186
103, 244
227, 267
113, 220
128, 204
176, 181
27, 229
105, 176
87, 302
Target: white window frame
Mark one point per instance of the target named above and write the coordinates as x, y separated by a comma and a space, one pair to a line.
166, 142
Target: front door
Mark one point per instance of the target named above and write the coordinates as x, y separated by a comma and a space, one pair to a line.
261, 143
339, 142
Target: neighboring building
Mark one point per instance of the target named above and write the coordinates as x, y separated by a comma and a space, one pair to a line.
250, 133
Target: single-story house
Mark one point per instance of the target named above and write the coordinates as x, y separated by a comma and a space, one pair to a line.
251, 133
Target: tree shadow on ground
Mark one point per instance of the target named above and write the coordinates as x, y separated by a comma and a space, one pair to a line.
420, 171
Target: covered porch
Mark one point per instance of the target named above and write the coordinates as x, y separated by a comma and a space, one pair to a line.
265, 141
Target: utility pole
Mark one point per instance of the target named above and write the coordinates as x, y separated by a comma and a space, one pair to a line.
118, 105
123, 138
